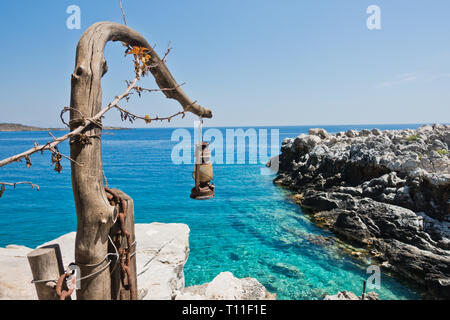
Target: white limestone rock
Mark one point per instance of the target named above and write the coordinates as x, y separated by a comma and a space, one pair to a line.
348, 295
15, 274
161, 273
227, 287
162, 251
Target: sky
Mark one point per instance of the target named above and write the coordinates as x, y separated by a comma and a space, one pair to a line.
253, 63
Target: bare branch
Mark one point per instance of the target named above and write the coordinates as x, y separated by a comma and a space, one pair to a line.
160, 61
51, 134
140, 89
63, 155
131, 116
95, 120
88, 121
14, 184
169, 48
165, 82
123, 12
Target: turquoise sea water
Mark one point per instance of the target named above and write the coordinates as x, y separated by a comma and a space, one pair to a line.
250, 228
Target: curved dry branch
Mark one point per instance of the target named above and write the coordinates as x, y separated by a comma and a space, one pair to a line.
95, 215
111, 31
85, 122
50, 146
164, 79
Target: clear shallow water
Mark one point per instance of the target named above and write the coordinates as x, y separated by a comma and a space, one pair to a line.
250, 228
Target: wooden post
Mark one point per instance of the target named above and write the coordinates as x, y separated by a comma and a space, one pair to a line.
46, 264
116, 283
95, 215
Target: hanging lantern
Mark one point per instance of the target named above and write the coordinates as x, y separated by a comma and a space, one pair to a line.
203, 173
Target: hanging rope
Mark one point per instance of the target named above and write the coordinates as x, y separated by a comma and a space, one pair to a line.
200, 129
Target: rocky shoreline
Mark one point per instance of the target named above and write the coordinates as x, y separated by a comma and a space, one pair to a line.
387, 191
162, 251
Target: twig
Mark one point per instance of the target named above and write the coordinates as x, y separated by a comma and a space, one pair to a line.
123, 12
146, 118
138, 89
52, 135
67, 157
172, 91
166, 53
14, 184
163, 60
73, 133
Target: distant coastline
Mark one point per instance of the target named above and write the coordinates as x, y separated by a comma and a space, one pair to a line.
11, 127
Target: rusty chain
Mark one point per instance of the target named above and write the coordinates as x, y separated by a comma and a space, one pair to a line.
124, 253
63, 294
59, 283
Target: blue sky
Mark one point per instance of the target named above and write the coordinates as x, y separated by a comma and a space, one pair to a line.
252, 62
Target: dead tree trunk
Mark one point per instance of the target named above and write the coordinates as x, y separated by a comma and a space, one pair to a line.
94, 213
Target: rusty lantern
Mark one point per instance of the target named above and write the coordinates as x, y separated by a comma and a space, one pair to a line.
203, 173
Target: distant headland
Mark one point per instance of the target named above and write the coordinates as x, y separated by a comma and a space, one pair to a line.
21, 127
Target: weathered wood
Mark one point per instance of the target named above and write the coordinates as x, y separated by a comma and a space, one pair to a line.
94, 213
46, 264
116, 283
111, 31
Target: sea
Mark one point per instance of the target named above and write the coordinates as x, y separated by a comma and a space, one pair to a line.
251, 227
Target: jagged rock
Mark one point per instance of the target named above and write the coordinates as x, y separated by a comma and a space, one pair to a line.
303, 143
376, 132
322, 133
351, 133
350, 225
227, 287
319, 202
430, 269
372, 187
348, 295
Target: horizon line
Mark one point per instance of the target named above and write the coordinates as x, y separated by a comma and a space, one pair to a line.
228, 126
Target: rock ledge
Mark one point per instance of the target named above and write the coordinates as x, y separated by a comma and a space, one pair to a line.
385, 190
162, 251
